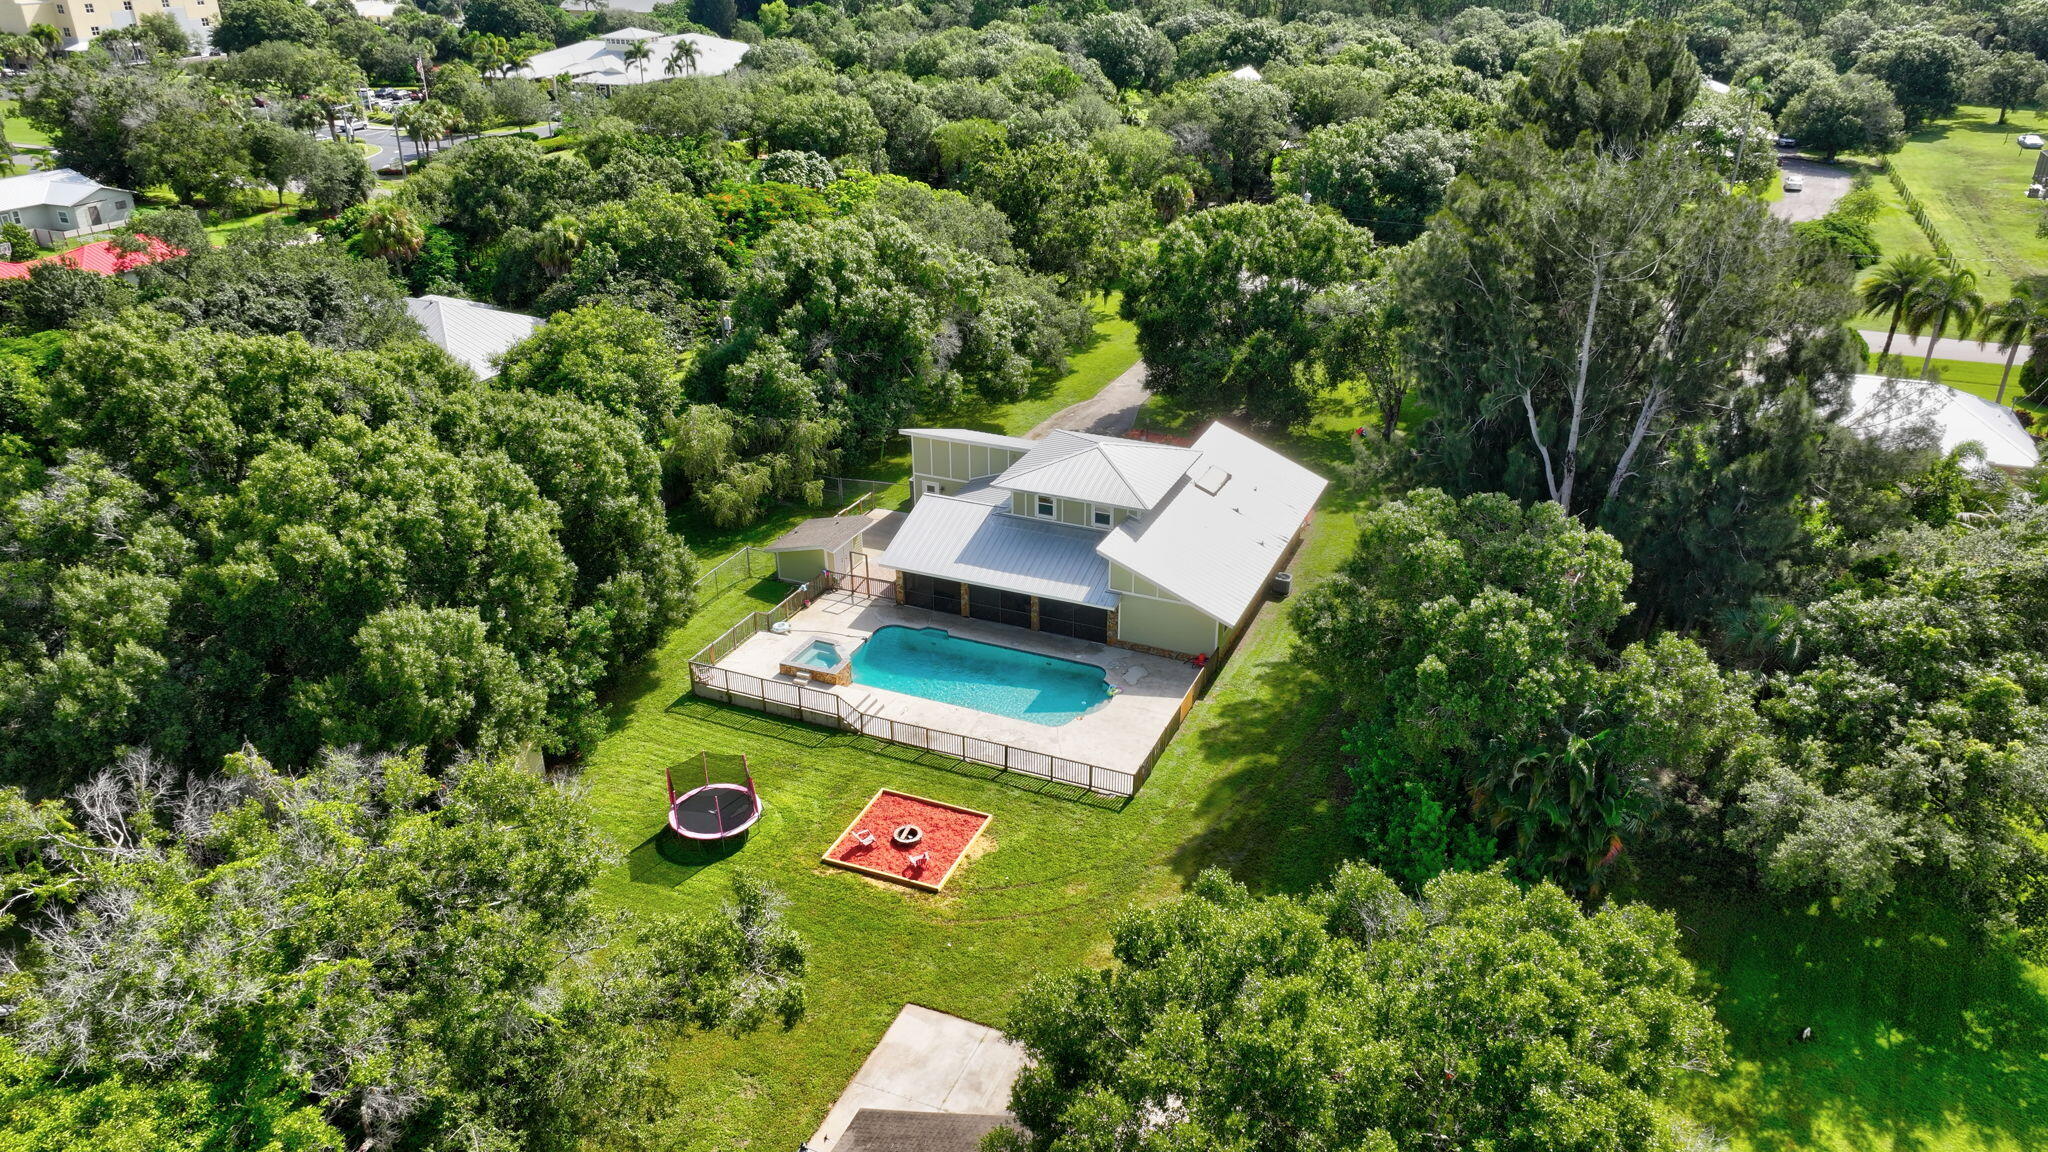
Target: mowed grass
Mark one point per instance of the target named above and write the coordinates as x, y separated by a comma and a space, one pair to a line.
1972, 376
1924, 1039
1973, 177
19, 131
1251, 784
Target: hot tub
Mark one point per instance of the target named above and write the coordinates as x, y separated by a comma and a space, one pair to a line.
825, 661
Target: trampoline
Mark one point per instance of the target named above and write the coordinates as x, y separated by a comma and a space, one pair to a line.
720, 806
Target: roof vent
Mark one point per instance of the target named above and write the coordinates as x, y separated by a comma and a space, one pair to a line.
1212, 479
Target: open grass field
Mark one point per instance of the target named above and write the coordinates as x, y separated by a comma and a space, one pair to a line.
1923, 1039
19, 131
1973, 179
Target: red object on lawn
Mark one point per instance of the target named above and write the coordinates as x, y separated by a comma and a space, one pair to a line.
949, 830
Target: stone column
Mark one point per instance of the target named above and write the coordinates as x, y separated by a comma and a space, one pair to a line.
964, 594
899, 588
1034, 613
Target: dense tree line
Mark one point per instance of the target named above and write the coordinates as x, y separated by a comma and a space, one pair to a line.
248, 503
355, 955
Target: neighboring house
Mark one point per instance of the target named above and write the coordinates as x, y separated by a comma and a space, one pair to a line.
476, 334
59, 204
78, 21
1156, 547
602, 62
99, 256
1881, 406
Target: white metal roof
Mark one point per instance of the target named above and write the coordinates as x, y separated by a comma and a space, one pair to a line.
970, 436
1216, 550
60, 187
1882, 405
1100, 469
604, 61
476, 334
983, 544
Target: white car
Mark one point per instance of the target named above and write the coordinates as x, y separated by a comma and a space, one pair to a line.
2031, 140
1794, 182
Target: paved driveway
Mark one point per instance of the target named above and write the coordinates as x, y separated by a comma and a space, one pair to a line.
1110, 412
1825, 184
928, 1062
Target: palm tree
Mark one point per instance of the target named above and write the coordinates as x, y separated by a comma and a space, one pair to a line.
2022, 319
682, 57
1950, 300
390, 232
1893, 286
637, 53
558, 244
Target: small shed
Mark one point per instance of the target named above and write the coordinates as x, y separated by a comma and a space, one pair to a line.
816, 545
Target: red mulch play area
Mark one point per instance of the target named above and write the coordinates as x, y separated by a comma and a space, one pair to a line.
948, 831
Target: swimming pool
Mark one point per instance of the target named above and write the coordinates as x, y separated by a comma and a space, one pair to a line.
934, 664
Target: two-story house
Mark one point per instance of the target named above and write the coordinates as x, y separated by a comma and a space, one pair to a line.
1124, 542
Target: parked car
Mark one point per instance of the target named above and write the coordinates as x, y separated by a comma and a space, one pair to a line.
2030, 140
1794, 182
1786, 142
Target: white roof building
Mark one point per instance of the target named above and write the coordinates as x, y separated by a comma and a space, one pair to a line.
1126, 542
56, 188
602, 62
1882, 406
476, 334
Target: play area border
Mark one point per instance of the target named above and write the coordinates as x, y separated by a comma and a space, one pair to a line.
895, 877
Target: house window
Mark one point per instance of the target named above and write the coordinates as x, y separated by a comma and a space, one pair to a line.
932, 488
1046, 510
206, 21
63, 217
128, 5
1100, 517
120, 205
88, 8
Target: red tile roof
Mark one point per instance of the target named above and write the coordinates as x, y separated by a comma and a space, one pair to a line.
100, 256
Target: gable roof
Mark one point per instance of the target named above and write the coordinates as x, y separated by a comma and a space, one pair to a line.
1880, 405
970, 436
1217, 537
826, 532
1100, 469
890, 1130
476, 334
59, 187
981, 543
99, 256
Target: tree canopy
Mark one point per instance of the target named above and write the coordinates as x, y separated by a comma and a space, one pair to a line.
1485, 1015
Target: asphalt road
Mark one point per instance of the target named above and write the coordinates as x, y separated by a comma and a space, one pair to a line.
386, 140
1825, 184
1913, 348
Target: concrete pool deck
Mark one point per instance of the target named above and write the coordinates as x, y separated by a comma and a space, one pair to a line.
1117, 735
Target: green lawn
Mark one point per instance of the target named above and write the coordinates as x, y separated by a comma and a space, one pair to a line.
20, 132
1923, 1040
1973, 179
1248, 785
1974, 377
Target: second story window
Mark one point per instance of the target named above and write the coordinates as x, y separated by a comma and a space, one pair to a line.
1101, 517
1046, 508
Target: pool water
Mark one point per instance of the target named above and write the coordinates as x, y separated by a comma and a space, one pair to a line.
820, 654
934, 664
